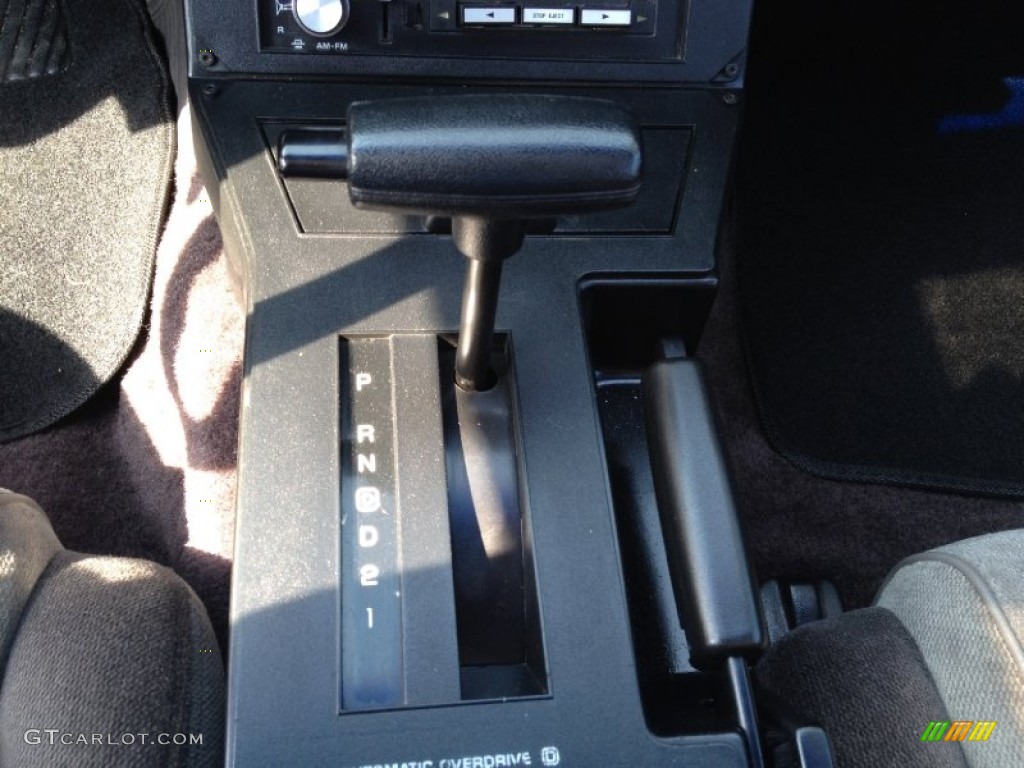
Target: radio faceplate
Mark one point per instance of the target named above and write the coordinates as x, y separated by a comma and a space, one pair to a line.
635, 30
681, 42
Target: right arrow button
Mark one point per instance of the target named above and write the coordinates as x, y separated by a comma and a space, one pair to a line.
605, 17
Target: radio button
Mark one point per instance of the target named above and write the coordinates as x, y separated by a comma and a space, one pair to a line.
489, 15
322, 18
605, 17
549, 16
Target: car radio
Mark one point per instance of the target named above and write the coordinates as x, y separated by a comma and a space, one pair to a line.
599, 41
584, 29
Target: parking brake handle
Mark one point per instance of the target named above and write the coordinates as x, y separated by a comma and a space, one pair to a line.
713, 583
488, 161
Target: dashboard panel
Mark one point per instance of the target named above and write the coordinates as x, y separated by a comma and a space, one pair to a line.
695, 41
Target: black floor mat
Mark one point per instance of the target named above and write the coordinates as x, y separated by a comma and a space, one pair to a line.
33, 39
86, 156
881, 248
804, 528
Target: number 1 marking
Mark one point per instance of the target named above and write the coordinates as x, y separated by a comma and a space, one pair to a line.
369, 618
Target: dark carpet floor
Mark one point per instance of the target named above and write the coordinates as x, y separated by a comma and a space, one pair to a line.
147, 467
881, 248
801, 527
86, 157
851, 183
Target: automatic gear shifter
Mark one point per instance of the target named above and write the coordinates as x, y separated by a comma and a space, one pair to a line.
490, 162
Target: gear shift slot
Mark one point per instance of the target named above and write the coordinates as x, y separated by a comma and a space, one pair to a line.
498, 623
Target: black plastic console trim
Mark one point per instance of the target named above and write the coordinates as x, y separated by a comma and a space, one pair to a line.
707, 48
303, 292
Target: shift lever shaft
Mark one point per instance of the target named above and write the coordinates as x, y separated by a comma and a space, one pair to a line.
476, 326
486, 243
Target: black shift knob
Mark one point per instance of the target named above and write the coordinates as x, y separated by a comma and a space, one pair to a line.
506, 156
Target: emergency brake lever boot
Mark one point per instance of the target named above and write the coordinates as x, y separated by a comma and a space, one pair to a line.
489, 162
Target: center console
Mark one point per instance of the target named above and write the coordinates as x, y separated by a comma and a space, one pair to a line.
482, 516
